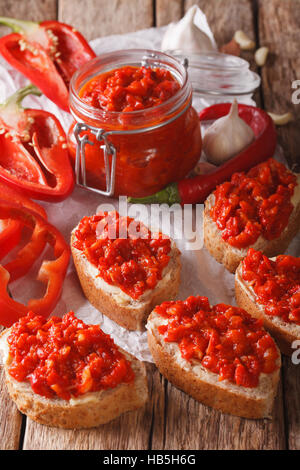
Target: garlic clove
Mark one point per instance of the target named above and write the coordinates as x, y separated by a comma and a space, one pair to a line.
281, 119
186, 35
244, 41
226, 137
261, 55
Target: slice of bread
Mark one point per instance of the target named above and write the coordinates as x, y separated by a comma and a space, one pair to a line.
86, 411
117, 305
230, 256
204, 385
283, 332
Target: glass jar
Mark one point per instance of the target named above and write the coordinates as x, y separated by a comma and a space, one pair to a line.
218, 77
134, 153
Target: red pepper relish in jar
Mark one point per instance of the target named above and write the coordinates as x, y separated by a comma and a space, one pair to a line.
145, 107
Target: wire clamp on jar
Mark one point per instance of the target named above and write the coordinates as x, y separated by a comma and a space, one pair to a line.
80, 161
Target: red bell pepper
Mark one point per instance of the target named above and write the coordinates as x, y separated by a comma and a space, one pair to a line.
52, 272
26, 256
10, 235
195, 190
47, 53
33, 152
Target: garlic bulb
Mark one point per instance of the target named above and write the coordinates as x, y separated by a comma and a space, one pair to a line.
187, 36
227, 137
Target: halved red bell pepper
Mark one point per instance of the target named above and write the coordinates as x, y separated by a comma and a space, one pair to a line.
47, 53
33, 151
10, 234
51, 272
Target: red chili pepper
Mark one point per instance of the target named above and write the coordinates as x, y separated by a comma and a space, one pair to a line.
52, 273
195, 190
33, 152
10, 235
47, 53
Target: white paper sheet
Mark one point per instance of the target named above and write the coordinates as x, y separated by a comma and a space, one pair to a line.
201, 274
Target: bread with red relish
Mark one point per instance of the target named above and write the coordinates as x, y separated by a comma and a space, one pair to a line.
284, 332
204, 385
85, 411
116, 304
229, 255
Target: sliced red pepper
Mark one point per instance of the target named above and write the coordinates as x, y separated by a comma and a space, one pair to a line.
195, 190
33, 151
10, 235
27, 255
12, 195
52, 272
47, 53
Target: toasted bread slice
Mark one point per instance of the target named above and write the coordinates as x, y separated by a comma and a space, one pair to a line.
117, 305
204, 386
230, 256
86, 411
283, 332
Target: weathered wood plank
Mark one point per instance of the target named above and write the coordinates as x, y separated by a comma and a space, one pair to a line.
291, 391
263, 434
168, 11
189, 425
157, 393
10, 418
279, 29
95, 18
132, 431
33, 10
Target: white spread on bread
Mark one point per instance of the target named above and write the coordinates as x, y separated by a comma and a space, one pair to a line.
121, 297
4, 348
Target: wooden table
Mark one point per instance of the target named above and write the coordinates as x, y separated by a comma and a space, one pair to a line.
172, 420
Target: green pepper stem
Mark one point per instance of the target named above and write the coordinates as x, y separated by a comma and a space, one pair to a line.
17, 98
169, 195
18, 26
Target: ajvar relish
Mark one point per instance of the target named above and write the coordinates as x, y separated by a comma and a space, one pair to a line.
226, 340
150, 121
275, 283
125, 252
64, 357
129, 89
254, 204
